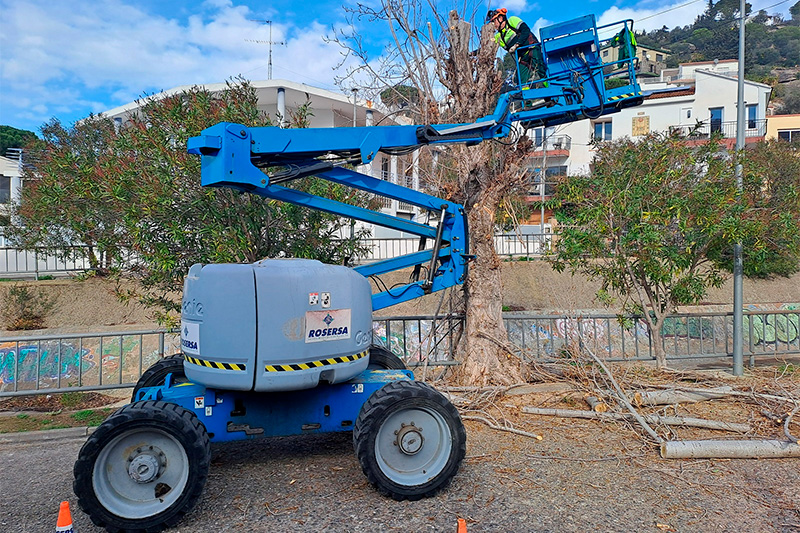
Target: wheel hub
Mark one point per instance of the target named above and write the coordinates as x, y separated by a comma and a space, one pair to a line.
409, 439
145, 464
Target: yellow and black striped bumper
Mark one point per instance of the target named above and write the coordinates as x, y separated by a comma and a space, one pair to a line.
316, 364
214, 364
622, 96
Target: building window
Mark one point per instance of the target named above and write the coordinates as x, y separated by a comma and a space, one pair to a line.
605, 53
751, 116
538, 136
5, 189
602, 131
659, 57
789, 135
716, 119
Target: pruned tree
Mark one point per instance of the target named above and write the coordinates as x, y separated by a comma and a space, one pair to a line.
451, 62
656, 219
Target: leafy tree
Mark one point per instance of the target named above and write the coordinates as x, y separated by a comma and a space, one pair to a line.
657, 234
795, 12
14, 138
64, 201
433, 51
772, 196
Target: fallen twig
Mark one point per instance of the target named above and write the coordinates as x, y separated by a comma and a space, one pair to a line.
786, 425
502, 428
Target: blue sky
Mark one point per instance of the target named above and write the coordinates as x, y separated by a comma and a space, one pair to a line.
69, 58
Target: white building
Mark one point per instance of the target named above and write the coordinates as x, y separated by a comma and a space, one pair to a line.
279, 98
10, 183
701, 100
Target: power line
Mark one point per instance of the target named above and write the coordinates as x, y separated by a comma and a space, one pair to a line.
670, 9
773, 5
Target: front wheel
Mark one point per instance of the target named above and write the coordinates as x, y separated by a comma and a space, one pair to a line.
144, 468
409, 440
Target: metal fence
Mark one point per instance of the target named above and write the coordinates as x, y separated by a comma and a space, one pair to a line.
506, 245
41, 261
59, 363
19, 263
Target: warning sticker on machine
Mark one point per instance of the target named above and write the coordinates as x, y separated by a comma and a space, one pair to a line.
329, 325
190, 338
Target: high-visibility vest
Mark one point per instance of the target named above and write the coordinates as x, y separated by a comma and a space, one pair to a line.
507, 34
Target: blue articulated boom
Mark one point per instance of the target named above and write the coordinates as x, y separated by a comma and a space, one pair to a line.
236, 156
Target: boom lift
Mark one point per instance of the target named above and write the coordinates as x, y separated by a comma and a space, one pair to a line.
284, 347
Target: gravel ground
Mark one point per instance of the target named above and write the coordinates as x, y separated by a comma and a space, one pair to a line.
582, 476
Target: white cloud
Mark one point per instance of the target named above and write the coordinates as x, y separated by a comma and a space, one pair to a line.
120, 52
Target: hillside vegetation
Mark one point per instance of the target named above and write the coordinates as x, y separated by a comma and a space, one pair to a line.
772, 46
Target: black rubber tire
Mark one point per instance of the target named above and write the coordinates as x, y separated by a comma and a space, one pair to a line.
177, 422
158, 371
381, 358
388, 401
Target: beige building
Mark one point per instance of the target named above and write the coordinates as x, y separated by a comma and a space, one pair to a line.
786, 127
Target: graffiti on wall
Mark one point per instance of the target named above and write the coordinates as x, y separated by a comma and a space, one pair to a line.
69, 362
771, 329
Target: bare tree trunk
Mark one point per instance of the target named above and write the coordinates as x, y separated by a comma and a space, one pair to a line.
485, 361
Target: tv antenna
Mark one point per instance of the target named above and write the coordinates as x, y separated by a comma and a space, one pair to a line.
270, 42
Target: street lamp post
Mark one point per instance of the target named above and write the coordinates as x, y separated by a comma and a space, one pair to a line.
738, 269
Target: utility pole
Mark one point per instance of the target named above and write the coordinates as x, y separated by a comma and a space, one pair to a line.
542, 185
270, 42
738, 268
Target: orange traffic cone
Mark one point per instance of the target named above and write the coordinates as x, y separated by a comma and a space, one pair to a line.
462, 526
64, 524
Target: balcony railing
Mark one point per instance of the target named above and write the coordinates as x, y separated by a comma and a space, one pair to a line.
753, 128
552, 143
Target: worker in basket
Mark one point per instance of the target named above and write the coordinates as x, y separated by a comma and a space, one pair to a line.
513, 33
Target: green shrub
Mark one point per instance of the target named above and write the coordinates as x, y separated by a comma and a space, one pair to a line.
23, 307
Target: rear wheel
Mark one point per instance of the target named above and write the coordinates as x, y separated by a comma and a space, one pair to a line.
144, 468
409, 440
158, 372
381, 358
